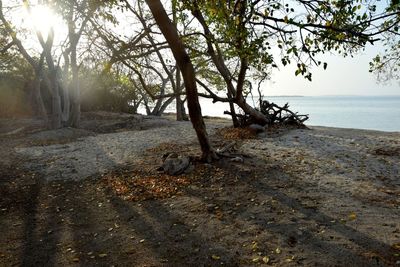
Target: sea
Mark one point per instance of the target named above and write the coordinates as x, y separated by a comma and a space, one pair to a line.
380, 113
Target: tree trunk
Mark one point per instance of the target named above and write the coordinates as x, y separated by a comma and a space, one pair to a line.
235, 120
38, 107
257, 116
156, 110
179, 103
52, 80
76, 92
165, 105
55, 118
65, 88
217, 58
180, 108
183, 60
64, 97
146, 104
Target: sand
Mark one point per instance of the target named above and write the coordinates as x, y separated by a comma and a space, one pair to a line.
309, 197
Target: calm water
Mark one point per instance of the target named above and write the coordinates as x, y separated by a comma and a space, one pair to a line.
362, 112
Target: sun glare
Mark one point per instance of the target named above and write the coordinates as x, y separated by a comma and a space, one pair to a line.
43, 19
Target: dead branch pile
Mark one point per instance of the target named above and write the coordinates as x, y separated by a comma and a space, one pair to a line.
275, 115
283, 114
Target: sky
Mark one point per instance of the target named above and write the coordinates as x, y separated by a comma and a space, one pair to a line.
344, 76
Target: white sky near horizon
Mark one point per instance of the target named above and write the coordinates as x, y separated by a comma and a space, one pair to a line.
344, 76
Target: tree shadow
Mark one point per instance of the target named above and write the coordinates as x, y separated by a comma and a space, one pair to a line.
152, 233
363, 250
171, 238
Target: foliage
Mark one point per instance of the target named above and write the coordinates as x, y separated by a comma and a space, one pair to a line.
270, 32
107, 91
15, 77
386, 65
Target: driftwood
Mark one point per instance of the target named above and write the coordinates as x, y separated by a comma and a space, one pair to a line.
282, 114
229, 151
275, 115
226, 148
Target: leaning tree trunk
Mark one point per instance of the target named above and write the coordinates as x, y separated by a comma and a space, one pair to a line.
217, 58
183, 60
235, 120
180, 108
165, 105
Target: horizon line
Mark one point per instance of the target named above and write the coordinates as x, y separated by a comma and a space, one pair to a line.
398, 95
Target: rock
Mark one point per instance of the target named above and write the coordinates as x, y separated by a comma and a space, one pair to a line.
211, 207
175, 165
236, 159
257, 128
262, 135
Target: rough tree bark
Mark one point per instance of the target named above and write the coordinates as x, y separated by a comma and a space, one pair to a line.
56, 112
52, 78
183, 60
38, 106
74, 35
179, 104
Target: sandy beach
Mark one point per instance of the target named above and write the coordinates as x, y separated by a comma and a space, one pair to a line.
301, 197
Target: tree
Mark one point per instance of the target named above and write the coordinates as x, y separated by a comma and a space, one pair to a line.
186, 67
16, 80
247, 31
386, 65
37, 66
52, 81
75, 13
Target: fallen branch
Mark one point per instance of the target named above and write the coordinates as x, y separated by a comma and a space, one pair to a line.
275, 114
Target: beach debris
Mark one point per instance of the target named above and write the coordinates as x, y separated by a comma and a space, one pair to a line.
215, 257
387, 151
236, 159
174, 164
227, 148
352, 216
257, 128
275, 115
